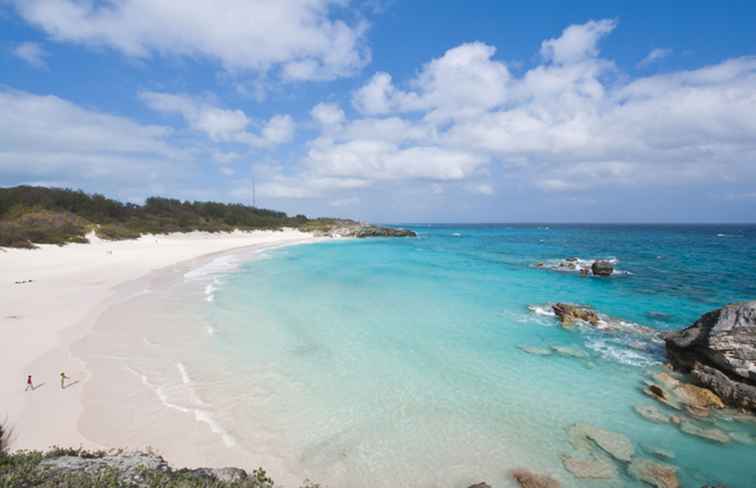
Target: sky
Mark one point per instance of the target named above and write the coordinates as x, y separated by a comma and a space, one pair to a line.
389, 110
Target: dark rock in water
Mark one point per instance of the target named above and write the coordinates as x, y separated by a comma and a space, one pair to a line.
739, 394
568, 314
526, 479
602, 268
653, 473
482, 484
720, 350
349, 228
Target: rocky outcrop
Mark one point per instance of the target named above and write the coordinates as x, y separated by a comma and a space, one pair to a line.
602, 268
569, 314
590, 469
361, 231
132, 470
527, 479
719, 349
653, 473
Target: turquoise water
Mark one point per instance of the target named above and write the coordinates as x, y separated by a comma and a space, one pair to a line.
397, 362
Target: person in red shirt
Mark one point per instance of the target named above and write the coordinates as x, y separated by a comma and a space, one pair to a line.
29, 384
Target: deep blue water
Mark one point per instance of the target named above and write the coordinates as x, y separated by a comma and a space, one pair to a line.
398, 360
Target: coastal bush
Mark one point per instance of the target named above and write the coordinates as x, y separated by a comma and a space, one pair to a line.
58, 216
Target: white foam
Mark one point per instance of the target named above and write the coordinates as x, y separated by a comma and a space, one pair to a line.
456, 234
578, 265
620, 354
544, 310
221, 264
200, 409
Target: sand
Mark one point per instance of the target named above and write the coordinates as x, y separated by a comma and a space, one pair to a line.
63, 291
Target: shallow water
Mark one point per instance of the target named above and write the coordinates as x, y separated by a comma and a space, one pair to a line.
398, 362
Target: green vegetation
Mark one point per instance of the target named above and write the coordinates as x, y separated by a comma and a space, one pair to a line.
78, 468
60, 216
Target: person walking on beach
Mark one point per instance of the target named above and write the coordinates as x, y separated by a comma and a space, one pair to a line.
29, 384
63, 379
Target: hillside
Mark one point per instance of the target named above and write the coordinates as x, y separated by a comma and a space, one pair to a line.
36, 215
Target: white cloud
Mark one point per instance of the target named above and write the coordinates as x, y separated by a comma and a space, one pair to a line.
300, 37
46, 137
328, 114
221, 125
577, 42
654, 56
32, 53
464, 82
565, 125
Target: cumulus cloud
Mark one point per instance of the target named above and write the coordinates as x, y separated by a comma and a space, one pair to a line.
299, 37
464, 82
577, 42
566, 124
32, 53
328, 114
221, 125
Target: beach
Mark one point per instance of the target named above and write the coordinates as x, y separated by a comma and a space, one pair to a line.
52, 296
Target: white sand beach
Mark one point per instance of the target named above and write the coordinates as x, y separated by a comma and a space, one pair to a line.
50, 298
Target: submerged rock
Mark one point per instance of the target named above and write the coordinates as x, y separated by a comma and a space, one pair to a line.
616, 445
590, 469
720, 349
527, 479
655, 474
569, 314
570, 352
538, 351
657, 393
482, 484
711, 434
650, 412
602, 268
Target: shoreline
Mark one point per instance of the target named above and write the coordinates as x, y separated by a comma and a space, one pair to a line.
62, 293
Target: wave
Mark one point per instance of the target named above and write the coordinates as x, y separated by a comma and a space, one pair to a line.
543, 310
621, 353
198, 409
221, 264
456, 234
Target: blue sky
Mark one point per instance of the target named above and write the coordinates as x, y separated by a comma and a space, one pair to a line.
392, 111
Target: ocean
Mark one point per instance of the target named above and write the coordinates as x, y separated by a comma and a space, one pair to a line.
400, 362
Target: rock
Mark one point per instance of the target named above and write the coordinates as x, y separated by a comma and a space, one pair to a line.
590, 469
650, 412
136, 470
697, 397
711, 434
570, 352
676, 420
662, 454
697, 411
658, 394
743, 438
526, 479
482, 484
538, 351
616, 445
667, 380
738, 394
723, 340
653, 473
602, 268
569, 314
350, 228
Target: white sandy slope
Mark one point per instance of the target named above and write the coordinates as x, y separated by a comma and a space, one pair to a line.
39, 320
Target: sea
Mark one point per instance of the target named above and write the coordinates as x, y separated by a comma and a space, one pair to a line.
436, 361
